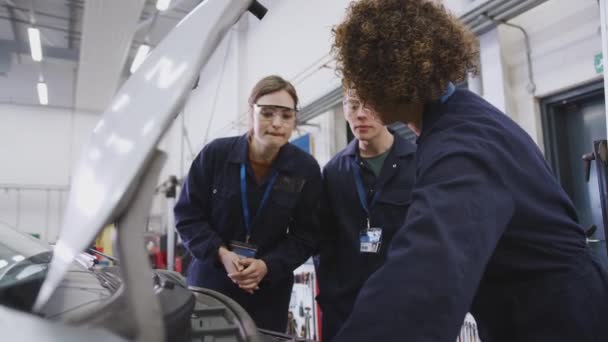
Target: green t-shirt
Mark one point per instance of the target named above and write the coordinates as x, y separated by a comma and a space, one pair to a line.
375, 163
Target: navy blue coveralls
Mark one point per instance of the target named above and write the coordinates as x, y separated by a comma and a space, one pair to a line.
342, 268
489, 230
209, 214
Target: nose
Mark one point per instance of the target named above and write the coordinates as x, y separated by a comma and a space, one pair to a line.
277, 121
361, 113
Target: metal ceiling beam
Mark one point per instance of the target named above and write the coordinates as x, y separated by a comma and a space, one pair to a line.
150, 13
144, 24
25, 22
49, 51
320, 106
12, 18
39, 13
71, 24
480, 16
78, 5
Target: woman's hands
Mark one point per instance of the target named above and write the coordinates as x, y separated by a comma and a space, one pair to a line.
230, 260
252, 273
247, 273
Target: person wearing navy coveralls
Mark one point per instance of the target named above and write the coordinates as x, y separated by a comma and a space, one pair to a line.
489, 228
367, 188
247, 210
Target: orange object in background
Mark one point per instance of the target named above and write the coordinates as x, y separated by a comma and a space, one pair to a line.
178, 264
100, 250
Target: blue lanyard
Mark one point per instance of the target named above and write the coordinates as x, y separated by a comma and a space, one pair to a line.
362, 193
246, 216
448, 92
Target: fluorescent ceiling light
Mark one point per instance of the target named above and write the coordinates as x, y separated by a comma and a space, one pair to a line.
43, 93
140, 57
162, 5
35, 46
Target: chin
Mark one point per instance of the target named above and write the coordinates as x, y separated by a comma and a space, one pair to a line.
366, 136
274, 141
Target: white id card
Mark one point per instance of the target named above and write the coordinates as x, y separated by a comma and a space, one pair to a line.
370, 240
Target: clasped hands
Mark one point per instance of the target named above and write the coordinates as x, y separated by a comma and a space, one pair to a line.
247, 273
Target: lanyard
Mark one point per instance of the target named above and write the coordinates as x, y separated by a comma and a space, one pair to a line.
448, 92
246, 217
361, 191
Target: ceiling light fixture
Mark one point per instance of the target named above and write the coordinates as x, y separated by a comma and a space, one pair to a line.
162, 5
35, 45
43, 93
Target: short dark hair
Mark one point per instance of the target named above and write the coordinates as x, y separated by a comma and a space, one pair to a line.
271, 84
402, 51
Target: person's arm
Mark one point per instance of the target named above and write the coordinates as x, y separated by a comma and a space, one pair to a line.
460, 208
303, 233
193, 207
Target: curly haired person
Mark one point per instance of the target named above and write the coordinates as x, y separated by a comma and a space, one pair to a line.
489, 229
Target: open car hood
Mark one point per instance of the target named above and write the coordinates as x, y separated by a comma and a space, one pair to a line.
124, 140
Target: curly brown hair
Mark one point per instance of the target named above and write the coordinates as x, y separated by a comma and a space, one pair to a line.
402, 51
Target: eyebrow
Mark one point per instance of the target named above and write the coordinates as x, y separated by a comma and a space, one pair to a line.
276, 106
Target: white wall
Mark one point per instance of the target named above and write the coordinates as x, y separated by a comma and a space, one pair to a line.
38, 145
564, 37
294, 41
458, 7
493, 71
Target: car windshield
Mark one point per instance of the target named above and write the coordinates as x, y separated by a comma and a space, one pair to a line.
23, 265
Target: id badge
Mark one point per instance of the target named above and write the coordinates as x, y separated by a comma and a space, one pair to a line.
244, 250
370, 240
